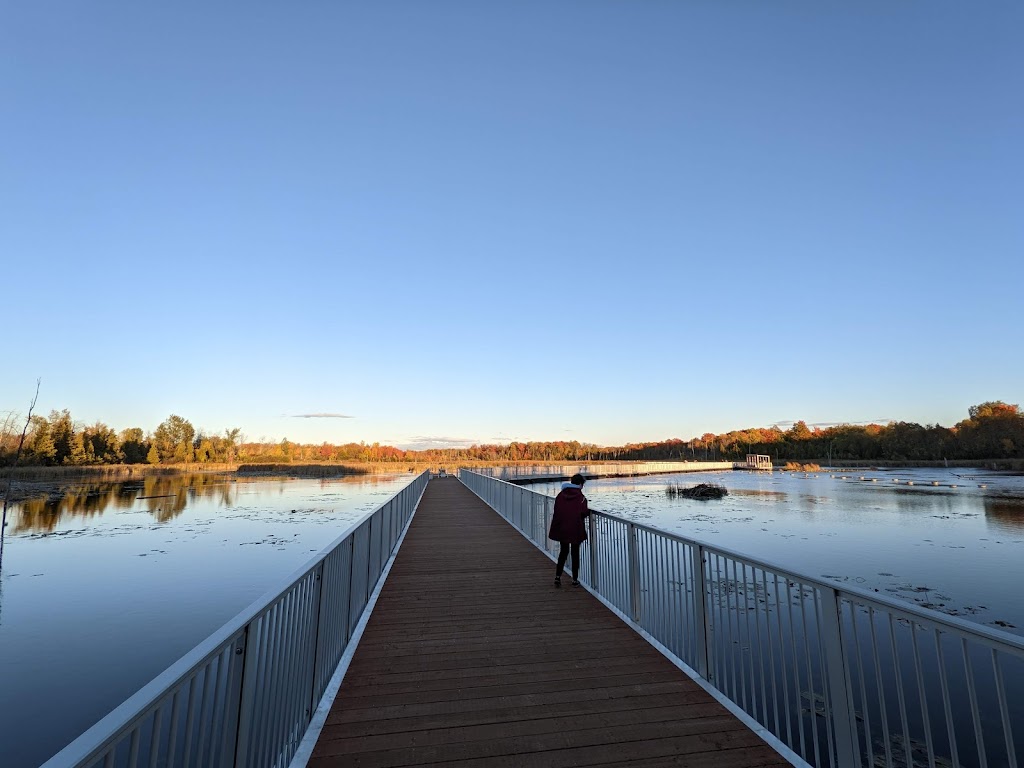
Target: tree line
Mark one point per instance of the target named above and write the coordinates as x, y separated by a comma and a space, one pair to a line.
58, 440
992, 430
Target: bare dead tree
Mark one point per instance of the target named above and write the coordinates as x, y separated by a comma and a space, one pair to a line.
10, 472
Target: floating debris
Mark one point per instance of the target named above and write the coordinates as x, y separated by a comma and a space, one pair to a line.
701, 491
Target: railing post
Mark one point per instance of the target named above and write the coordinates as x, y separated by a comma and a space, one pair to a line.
318, 636
592, 545
840, 700
700, 616
349, 623
247, 694
634, 574
369, 561
548, 513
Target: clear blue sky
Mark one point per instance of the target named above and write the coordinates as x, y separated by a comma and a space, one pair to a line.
603, 221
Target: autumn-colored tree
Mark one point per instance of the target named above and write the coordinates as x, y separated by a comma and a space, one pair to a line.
173, 440
993, 430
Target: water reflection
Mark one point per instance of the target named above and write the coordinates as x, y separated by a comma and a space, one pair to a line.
1005, 513
165, 497
758, 492
137, 572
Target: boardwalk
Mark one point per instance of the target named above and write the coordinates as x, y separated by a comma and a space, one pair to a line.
472, 657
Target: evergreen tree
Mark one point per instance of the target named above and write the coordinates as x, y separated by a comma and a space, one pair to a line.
41, 449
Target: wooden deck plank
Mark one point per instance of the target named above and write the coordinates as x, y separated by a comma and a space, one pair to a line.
471, 657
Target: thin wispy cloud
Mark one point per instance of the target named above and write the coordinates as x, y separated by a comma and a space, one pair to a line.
791, 422
426, 442
321, 416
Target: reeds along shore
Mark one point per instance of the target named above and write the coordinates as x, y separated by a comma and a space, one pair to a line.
329, 469
111, 471
115, 472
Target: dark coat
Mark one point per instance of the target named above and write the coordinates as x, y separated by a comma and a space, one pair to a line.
567, 521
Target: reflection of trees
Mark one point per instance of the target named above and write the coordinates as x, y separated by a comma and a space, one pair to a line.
1005, 513
164, 497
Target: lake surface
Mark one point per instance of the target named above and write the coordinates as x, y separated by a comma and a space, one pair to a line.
956, 550
105, 587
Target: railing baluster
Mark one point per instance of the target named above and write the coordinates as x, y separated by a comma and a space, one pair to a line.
760, 646
1004, 712
783, 668
946, 704
972, 694
154, 742
252, 647
172, 736
592, 545
868, 743
634, 575
720, 648
320, 629
923, 696
133, 749
190, 718
204, 709
879, 681
900, 697
796, 672
740, 624
813, 725
823, 676
771, 653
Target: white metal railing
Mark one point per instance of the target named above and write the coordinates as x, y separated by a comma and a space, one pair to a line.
610, 469
842, 676
245, 695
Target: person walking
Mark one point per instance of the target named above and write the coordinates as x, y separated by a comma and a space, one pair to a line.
568, 527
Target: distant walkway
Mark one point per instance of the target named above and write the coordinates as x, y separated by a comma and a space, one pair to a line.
472, 657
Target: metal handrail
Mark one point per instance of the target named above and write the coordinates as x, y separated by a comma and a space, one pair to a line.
245, 695
996, 637
840, 675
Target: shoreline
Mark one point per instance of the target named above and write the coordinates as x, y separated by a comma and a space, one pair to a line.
32, 482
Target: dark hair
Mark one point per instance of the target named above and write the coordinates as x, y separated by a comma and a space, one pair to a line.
577, 479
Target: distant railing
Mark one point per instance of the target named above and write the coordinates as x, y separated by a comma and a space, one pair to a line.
245, 695
611, 469
842, 676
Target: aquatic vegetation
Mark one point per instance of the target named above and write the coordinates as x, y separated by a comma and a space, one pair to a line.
701, 491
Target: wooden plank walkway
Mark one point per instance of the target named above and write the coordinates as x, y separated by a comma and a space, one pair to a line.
473, 658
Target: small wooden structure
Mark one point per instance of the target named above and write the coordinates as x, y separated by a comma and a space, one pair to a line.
759, 461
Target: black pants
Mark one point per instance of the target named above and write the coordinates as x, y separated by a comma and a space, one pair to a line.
563, 553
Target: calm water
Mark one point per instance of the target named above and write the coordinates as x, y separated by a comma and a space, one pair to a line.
957, 550
104, 588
